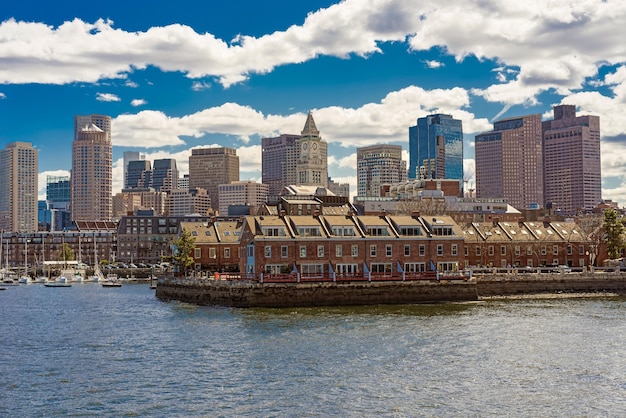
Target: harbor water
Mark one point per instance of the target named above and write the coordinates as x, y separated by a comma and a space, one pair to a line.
86, 350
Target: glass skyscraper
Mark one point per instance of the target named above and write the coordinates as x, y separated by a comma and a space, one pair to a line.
436, 148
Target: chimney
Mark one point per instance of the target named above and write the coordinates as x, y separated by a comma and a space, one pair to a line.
415, 214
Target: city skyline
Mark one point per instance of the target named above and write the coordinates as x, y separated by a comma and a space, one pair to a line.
194, 77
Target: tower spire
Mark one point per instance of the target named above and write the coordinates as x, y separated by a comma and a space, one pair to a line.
310, 130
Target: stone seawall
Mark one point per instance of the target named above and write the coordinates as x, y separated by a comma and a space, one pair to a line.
247, 294
520, 284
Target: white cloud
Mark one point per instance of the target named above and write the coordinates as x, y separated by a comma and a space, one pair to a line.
138, 102
200, 86
372, 123
107, 97
3, 96
433, 64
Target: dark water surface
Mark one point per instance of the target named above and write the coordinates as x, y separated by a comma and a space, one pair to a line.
94, 351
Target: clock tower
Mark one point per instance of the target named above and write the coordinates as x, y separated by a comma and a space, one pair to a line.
312, 166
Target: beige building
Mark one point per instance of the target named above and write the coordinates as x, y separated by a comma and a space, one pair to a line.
571, 153
18, 187
130, 201
379, 165
509, 162
312, 165
91, 178
242, 193
183, 202
210, 167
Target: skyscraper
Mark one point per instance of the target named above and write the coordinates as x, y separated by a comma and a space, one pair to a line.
138, 175
378, 165
509, 162
571, 161
164, 175
436, 148
312, 163
18, 187
128, 157
278, 162
91, 178
58, 195
210, 167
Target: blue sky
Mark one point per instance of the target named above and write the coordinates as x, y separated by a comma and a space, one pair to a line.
175, 76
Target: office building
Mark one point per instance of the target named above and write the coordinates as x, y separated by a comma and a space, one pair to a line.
18, 187
278, 162
509, 162
58, 194
242, 193
571, 161
91, 178
164, 175
138, 174
379, 165
210, 167
436, 148
183, 202
128, 157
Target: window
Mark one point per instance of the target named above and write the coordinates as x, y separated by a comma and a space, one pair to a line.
569, 250
338, 251
455, 249
422, 250
388, 250
439, 249
529, 250
414, 267
284, 251
502, 250
312, 270
196, 253
555, 249
320, 251
355, 251
302, 251
226, 252
372, 250
491, 250
250, 251
407, 250
518, 250
581, 250
268, 251
212, 253
543, 250
477, 250
380, 268
309, 231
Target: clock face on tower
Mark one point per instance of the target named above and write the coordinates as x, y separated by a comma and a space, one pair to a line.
305, 146
314, 146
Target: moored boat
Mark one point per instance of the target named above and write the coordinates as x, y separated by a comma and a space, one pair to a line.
57, 284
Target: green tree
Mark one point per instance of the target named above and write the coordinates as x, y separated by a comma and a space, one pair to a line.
184, 245
614, 233
66, 253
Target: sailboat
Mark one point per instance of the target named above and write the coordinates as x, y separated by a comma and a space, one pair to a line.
25, 279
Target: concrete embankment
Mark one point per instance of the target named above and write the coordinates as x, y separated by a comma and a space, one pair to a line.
527, 284
273, 295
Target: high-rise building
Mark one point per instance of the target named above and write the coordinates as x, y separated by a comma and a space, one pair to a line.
18, 187
164, 175
242, 193
378, 165
138, 174
571, 161
509, 162
58, 194
91, 178
128, 157
101, 121
436, 148
278, 162
210, 167
312, 163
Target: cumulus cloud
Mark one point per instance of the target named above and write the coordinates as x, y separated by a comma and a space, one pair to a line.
107, 97
433, 64
138, 102
200, 86
372, 123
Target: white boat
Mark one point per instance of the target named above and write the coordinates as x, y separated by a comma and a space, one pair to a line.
57, 284
77, 278
41, 279
25, 280
62, 279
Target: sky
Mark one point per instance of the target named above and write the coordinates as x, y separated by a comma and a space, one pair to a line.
189, 74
